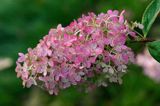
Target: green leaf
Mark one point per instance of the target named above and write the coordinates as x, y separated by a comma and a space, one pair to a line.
150, 15
154, 49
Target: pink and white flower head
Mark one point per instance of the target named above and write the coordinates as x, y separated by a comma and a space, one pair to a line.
150, 65
73, 55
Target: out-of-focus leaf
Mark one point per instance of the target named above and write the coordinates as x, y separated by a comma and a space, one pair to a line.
150, 15
154, 49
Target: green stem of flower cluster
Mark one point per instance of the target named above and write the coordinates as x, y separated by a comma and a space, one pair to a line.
143, 40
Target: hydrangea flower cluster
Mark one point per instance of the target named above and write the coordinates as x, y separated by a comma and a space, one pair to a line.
90, 50
150, 65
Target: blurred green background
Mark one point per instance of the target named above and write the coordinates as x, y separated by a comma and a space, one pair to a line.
24, 22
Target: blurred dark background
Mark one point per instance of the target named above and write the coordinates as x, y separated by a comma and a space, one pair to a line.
24, 22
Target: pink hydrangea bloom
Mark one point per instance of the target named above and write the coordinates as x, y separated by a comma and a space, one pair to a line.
150, 65
91, 46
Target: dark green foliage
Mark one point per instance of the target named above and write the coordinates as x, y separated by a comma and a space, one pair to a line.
154, 49
150, 15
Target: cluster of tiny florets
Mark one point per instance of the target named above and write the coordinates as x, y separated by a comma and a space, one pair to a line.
93, 47
150, 66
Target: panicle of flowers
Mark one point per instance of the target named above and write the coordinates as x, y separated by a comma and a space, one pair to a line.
150, 65
93, 47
